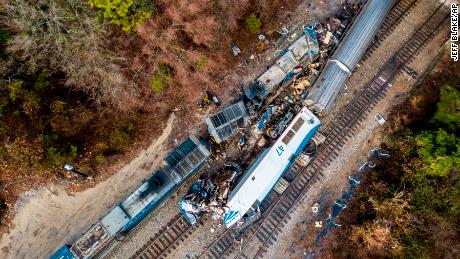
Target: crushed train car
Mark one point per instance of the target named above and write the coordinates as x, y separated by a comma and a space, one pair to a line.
302, 50
209, 194
185, 160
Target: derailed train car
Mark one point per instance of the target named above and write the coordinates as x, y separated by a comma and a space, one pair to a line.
329, 83
225, 123
302, 49
269, 167
180, 164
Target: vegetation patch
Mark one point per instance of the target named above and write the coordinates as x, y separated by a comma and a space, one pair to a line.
253, 23
201, 63
127, 13
415, 195
162, 78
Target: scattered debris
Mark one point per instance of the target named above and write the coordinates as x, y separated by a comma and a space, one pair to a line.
242, 142
380, 119
315, 208
204, 102
411, 72
235, 49
70, 168
210, 194
376, 153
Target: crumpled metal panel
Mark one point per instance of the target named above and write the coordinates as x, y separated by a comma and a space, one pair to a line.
287, 62
271, 78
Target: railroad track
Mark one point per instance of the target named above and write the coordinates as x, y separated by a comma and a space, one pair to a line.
275, 212
167, 239
276, 207
397, 13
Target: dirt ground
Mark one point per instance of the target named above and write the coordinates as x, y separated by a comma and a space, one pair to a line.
49, 216
183, 33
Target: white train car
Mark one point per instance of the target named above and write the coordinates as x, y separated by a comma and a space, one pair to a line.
260, 179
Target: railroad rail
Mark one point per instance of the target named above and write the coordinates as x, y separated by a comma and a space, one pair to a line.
397, 13
177, 230
276, 207
263, 233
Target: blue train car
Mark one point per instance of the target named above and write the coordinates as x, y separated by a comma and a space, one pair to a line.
180, 164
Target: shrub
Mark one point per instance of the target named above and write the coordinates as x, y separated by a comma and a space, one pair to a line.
162, 78
414, 246
3, 104
201, 63
42, 81
448, 112
118, 139
73, 152
15, 88
438, 151
4, 37
54, 156
49, 138
100, 157
253, 23
127, 13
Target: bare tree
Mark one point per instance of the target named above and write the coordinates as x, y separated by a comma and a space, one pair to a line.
66, 35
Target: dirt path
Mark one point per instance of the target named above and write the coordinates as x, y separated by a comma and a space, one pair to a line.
47, 218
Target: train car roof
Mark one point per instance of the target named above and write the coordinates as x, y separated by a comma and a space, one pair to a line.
223, 124
147, 193
299, 47
62, 253
187, 157
91, 242
271, 164
115, 220
287, 62
362, 32
272, 77
328, 85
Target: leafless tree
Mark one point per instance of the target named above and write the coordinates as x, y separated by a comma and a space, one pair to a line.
67, 36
